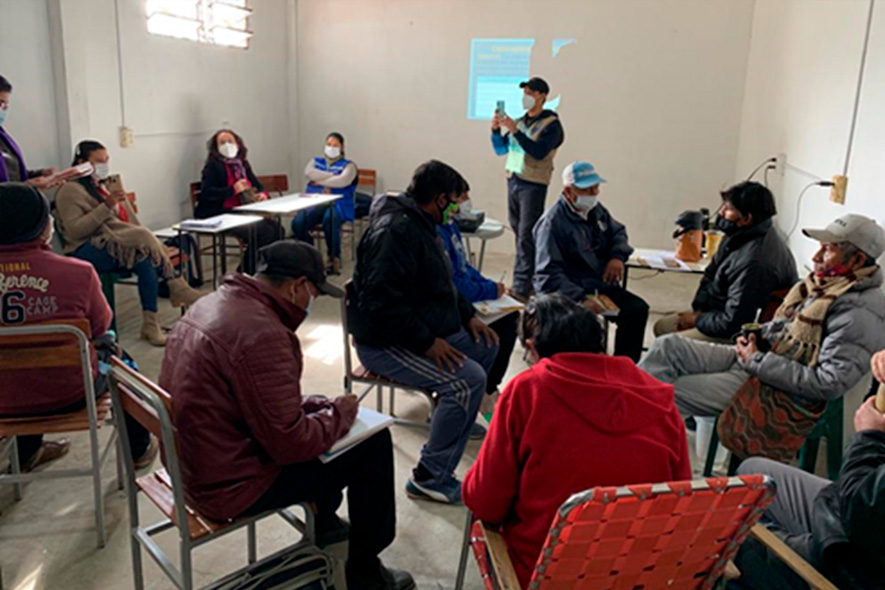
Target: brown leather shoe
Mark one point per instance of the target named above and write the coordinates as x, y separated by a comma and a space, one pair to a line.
149, 454
49, 451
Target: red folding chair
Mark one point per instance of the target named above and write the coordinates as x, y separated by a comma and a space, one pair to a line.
673, 536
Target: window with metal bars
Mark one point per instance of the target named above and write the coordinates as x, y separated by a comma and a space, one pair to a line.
220, 22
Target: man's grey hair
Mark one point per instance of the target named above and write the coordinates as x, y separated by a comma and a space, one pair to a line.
849, 250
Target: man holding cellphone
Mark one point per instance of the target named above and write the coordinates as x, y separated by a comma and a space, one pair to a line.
530, 144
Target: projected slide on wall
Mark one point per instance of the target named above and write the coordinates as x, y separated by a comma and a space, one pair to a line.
497, 66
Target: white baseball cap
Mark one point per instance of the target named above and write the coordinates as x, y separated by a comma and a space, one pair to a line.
861, 232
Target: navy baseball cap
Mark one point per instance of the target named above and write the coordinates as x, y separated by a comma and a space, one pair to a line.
536, 84
289, 258
581, 175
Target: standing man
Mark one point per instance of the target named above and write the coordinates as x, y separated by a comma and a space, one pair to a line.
582, 251
412, 326
530, 144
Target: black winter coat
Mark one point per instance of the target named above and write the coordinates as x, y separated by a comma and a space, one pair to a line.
848, 521
214, 189
748, 267
403, 281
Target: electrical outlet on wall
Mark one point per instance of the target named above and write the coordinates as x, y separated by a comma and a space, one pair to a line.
837, 191
780, 164
126, 137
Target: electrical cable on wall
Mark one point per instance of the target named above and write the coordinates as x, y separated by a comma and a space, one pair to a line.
770, 160
821, 183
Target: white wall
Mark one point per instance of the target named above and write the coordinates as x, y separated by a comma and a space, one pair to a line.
175, 95
25, 59
652, 93
801, 87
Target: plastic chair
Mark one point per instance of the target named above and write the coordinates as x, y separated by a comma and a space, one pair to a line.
151, 406
63, 349
673, 536
361, 375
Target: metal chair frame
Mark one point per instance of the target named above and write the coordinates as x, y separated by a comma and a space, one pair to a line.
376, 382
97, 456
124, 381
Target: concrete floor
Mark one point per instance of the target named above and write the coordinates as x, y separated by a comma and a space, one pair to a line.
48, 539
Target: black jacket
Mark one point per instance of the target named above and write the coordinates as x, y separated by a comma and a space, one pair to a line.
848, 521
403, 281
748, 267
214, 189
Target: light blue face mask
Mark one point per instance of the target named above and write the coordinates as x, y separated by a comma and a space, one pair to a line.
310, 296
3, 113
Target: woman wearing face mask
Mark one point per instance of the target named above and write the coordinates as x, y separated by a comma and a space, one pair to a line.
228, 182
12, 162
97, 224
330, 173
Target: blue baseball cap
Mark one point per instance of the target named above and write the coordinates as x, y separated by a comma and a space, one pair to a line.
581, 175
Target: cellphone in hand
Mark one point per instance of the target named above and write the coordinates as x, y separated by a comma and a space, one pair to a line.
500, 108
113, 183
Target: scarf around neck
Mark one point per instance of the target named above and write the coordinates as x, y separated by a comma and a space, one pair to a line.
806, 307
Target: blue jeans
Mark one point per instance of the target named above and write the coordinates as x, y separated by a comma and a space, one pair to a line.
460, 394
147, 273
310, 218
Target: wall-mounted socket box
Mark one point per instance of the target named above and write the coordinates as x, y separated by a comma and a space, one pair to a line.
837, 191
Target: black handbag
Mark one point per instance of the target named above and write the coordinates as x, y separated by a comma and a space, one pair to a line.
300, 567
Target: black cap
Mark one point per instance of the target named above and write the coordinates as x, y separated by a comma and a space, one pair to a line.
24, 213
536, 84
289, 258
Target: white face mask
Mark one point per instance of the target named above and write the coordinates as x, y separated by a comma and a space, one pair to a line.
527, 102
466, 206
332, 152
587, 203
228, 150
101, 170
310, 299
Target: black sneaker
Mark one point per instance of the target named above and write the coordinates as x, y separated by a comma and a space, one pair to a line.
381, 578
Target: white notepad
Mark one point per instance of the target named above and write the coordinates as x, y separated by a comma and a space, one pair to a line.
368, 422
494, 309
210, 223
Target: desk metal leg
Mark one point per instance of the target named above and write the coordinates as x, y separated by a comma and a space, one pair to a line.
223, 249
253, 249
215, 261
482, 254
470, 257
626, 271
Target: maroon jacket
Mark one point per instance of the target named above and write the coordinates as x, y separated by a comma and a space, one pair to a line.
37, 286
233, 366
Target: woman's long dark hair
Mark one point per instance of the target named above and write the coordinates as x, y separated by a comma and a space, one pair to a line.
82, 152
212, 146
557, 324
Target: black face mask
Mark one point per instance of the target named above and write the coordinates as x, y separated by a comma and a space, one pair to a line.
727, 226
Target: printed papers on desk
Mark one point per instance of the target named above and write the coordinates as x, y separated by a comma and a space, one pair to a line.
368, 422
662, 260
211, 223
495, 309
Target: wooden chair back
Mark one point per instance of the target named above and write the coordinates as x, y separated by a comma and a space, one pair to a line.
275, 183
46, 361
367, 181
774, 301
195, 194
673, 536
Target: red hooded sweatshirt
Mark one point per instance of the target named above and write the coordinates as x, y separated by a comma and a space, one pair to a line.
37, 286
572, 422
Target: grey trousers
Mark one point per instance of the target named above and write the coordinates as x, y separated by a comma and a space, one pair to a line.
789, 517
667, 325
525, 205
704, 376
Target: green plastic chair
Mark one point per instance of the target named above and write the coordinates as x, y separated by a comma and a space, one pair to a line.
828, 427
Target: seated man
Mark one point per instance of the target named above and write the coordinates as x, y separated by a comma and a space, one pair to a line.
821, 339
249, 441
475, 287
752, 263
575, 420
37, 286
838, 527
412, 325
581, 250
